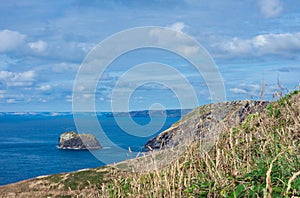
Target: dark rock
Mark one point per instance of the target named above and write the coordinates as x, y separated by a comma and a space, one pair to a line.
205, 121
73, 140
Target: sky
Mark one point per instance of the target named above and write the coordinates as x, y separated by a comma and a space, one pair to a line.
254, 43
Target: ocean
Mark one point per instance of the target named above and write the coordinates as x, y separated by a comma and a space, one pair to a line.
28, 144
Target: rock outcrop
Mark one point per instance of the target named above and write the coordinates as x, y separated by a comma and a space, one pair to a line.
205, 122
73, 140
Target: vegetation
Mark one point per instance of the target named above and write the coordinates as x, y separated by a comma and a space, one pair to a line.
259, 158
77, 180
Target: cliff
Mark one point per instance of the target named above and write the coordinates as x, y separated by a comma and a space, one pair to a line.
205, 120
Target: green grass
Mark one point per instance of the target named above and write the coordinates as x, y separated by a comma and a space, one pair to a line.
77, 180
56, 178
259, 158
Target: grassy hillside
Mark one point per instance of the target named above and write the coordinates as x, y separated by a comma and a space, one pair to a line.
258, 158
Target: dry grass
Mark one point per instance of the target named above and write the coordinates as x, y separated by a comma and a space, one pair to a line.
259, 158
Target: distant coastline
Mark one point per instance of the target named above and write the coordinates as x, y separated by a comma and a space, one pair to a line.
138, 113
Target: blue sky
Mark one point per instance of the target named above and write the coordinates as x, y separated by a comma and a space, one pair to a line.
42, 45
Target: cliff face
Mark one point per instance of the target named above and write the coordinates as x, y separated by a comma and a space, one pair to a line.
73, 140
205, 122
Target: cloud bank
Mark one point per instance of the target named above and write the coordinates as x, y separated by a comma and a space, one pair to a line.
10, 40
285, 45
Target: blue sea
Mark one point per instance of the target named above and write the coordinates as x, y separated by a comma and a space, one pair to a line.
28, 144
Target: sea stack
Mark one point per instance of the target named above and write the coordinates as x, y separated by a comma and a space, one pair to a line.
73, 140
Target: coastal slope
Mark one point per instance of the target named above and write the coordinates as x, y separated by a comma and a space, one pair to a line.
257, 154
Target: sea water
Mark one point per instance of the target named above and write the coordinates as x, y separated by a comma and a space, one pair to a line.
28, 144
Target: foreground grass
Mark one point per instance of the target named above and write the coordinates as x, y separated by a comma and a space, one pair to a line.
260, 158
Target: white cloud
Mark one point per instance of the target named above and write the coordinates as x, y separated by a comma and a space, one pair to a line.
286, 44
101, 98
69, 98
10, 40
11, 100
44, 87
277, 43
87, 96
15, 79
254, 87
236, 46
69, 50
176, 41
65, 67
26, 76
42, 100
178, 26
247, 89
39, 46
238, 90
270, 8
85, 47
